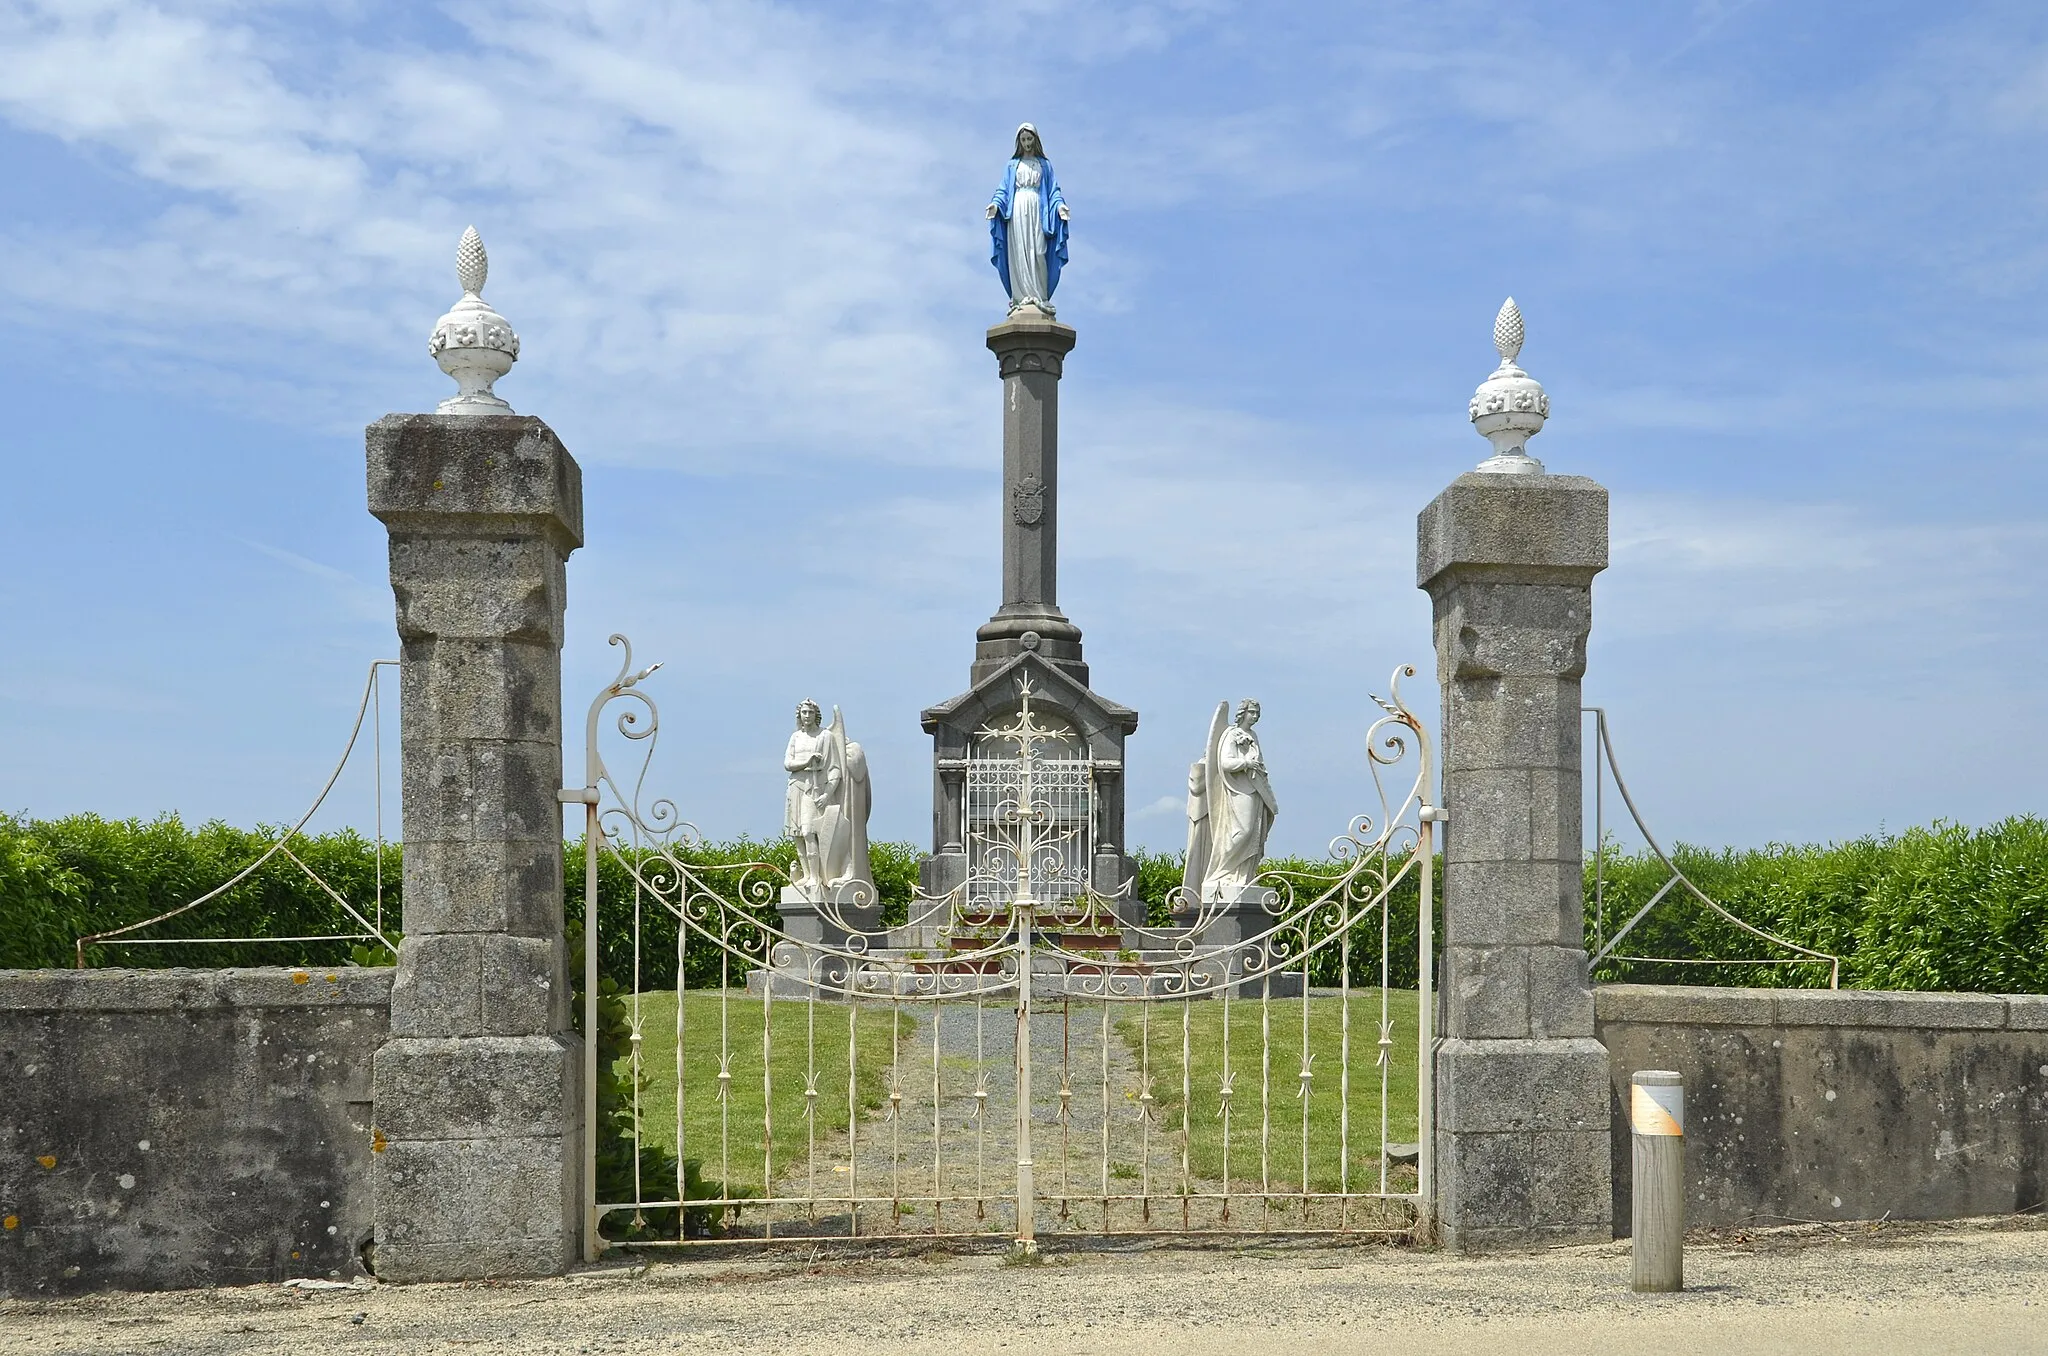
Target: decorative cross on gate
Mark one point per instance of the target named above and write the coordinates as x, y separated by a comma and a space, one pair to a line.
1023, 820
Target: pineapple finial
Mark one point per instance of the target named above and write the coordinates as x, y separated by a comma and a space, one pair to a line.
1507, 326
1510, 406
473, 343
473, 266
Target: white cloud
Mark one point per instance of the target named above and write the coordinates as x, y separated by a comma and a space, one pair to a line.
707, 207
1828, 574
1162, 808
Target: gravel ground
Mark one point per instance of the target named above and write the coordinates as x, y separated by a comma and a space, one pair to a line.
1977, 1286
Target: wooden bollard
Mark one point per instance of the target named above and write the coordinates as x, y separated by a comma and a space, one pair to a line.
1657, 1207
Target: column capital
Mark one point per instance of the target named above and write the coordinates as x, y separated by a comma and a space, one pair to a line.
1030, 342
1516, 529
438, 474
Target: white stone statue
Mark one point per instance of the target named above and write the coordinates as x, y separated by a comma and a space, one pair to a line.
826, 807
1230, 809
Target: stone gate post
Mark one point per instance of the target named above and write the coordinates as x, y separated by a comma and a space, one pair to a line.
1508, 554
477, 1092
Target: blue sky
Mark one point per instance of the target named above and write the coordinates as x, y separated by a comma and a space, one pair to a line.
1783, 269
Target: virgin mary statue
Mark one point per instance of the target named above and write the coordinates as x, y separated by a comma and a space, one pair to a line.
1027, 222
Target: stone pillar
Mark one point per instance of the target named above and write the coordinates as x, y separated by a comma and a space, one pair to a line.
478, 1090
1031, 350
1508, 556
1522, 1151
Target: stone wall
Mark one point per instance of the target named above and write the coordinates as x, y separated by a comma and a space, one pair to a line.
1818, 1105
172, 1128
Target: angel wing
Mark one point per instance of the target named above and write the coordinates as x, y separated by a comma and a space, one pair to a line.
1201, 830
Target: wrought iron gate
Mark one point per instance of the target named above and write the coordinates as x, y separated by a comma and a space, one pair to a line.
993, 1066
1025, 764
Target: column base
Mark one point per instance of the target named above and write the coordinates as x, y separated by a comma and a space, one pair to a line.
1038, 627
477, 1170
1523, 1152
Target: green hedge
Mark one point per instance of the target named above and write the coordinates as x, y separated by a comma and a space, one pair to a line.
894, 866
1938, 908
1941, 908
1160, 872
61, 879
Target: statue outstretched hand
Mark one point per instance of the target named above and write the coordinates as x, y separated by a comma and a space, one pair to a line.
991, 213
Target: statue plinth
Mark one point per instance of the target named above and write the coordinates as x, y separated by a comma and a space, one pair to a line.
1241, 914
845, 910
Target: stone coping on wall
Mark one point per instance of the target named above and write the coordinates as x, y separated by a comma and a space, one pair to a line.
181, 989
1688, 1005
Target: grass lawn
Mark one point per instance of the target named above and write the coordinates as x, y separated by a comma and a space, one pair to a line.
1283, 1106
727, 1137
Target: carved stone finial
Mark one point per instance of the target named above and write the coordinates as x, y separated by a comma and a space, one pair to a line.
1507, 326
473, 343
473, 266
1510, 406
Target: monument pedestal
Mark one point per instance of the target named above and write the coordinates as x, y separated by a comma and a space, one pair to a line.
1233, 929
1030, 641
1240, 916
848, 910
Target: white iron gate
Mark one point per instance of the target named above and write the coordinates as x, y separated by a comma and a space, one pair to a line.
1063, 783
1016, 1077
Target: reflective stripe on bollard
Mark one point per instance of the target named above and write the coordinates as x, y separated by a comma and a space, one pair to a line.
1657, 1209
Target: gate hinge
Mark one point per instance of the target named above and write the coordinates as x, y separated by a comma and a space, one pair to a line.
1435, 814
577, 795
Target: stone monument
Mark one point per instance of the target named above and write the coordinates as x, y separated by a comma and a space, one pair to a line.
1508, 554
476, 1093
1029, 639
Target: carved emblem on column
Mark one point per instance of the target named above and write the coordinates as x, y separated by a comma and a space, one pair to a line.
1027, 501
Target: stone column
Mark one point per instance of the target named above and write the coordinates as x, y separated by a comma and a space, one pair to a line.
478, 1091
1031, 350
1522, 1151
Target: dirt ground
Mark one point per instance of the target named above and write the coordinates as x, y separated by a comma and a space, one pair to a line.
1975, 1286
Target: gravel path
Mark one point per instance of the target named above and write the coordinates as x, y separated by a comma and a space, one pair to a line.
1979, 1287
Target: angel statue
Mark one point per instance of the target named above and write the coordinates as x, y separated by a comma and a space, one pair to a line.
1027, 221
1230, 809
826, 808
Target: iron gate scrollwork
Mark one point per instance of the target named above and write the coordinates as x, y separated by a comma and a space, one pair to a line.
1011, 1059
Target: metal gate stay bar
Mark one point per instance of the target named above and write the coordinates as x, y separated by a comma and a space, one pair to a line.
783, 1130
